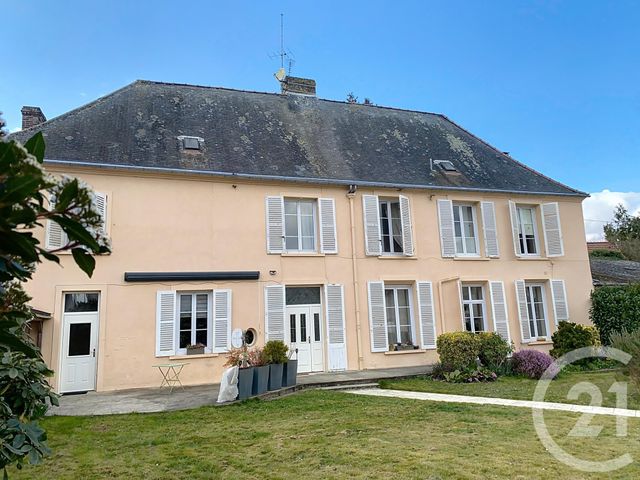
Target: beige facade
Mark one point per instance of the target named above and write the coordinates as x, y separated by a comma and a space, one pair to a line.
162, 222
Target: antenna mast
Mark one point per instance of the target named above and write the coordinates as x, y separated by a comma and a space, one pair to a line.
282, 52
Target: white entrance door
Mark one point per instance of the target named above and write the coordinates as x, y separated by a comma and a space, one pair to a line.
305, 334
79, 342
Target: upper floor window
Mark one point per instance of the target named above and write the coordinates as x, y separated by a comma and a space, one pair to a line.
391, 226
527, 240
387, 225
464, 223
473, 308
300, 225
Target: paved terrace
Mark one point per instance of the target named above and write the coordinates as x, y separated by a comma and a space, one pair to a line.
146, 400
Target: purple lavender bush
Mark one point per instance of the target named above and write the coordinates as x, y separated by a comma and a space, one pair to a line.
531, 363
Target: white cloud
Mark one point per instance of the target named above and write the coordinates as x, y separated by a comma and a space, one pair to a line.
598, 210
14, 130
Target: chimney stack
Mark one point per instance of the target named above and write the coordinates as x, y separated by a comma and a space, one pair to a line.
32, 116
300, 86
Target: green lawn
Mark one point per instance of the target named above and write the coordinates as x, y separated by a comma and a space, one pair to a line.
522, 388
322, 434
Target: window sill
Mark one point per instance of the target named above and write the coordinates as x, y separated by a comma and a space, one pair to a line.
472, 259
186, 357
303, 254
405, 352
540, 342
534, 258
397, 257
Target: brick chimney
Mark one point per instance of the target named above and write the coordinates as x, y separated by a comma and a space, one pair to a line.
32, 116
301, 86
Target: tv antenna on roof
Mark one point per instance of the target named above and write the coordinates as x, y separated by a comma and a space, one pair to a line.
284, 54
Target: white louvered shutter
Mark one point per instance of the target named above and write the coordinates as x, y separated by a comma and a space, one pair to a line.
560, 306
552, 230
407, 228
221, 320
427, 315
165, 323
490, 229
54, 235
377, 317
499, 308
447, 232
328, 234
274, 310
101, 207
515, 227
523, 313
371, 214
275, 224
336, 335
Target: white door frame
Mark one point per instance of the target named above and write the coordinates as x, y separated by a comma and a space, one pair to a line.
310, 320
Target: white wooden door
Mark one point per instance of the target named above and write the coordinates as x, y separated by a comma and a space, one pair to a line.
79, 343
305, 334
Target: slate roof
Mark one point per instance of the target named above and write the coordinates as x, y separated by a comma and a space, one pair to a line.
296, 137
614, 272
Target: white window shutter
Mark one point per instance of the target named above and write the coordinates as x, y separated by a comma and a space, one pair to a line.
427, 315
552, 230
523, 313
407, 228
371, 214
221, 320
54, 236
490, 229
336, 328
499, 309
274, 312
275, 224
560, 306
165, 323
377, 317
447, 232
515, 227
101, 207
328, 234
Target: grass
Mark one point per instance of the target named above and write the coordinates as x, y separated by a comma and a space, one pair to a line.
322, 434
519, 388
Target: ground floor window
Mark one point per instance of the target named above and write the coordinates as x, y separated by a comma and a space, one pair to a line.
399, 316
536, 310
473, 308
194, 322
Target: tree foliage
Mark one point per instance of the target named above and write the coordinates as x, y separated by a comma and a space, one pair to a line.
624, 233
615, 309
29, 196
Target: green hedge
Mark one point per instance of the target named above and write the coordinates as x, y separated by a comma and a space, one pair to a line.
493, 349
458, 350
614, 309
571, 336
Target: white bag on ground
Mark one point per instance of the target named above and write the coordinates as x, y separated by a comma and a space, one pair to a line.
228, 385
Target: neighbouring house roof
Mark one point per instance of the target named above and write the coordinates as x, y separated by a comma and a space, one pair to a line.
591, 246
40, 314
292, 137
614, 272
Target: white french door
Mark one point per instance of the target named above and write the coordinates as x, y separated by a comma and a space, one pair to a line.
304, 332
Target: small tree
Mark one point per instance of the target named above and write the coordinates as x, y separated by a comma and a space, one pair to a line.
351, 98
624, 233
26, 194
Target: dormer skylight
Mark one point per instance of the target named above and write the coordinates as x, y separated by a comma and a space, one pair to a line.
190, 143
446, 165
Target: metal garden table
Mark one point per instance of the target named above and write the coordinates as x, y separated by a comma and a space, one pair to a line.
171, 374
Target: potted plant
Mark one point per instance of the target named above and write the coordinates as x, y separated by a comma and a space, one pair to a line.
260, 371
195, 349
290, 370
239, 357
275, 352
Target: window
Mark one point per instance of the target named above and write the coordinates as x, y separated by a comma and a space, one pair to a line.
391, 226
473, 308
194, 322
464, 223
80, 302
300, 225
536, 311
527, 231
399, 315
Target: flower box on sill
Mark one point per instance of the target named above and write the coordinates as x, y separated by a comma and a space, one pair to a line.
197, 349
398, 347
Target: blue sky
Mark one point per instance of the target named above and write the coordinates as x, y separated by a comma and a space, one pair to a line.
555, 83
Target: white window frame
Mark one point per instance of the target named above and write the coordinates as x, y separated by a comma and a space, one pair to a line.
471, 302
194, 293
314, 204
458, 206
530, 310
536, 238
388, 201
412, 319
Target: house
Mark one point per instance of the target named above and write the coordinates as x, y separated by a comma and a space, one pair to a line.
613, 271
355, 233
601, 245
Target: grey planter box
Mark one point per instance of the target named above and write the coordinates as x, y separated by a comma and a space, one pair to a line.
260, 380
275, 376
289, 373
245, 382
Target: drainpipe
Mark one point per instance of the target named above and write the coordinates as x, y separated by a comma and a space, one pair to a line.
441, 301
354, 270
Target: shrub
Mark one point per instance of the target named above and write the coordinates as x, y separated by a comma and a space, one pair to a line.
275, 351
629, 342
493, 350
470, 376
615, 309
571, 336
257, 357
236, 356
458, 350
531, 363
607, 254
